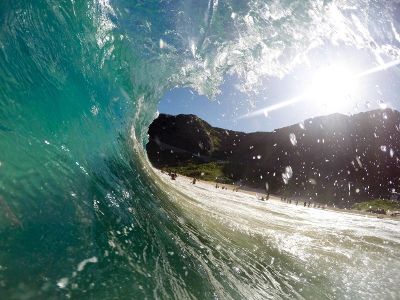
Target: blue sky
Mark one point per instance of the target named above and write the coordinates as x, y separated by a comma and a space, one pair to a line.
373, 91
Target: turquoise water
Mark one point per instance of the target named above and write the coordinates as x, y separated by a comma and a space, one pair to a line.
81, 213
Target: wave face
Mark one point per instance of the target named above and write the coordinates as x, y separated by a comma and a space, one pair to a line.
81, 213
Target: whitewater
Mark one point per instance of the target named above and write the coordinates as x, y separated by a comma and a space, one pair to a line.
82, 213
326, 249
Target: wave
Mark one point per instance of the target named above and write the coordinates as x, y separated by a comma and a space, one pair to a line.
82, 213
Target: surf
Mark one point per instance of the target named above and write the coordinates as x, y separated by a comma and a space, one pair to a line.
82, 212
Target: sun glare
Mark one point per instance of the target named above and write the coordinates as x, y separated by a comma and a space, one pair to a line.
332, 87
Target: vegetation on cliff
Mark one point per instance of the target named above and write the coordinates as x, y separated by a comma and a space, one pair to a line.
333, 159
378, 204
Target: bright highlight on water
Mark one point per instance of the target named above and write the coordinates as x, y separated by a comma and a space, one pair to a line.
82, 213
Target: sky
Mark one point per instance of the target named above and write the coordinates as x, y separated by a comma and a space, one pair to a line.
232, 109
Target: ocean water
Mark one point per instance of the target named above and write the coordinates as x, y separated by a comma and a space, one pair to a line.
281, 250
82, 214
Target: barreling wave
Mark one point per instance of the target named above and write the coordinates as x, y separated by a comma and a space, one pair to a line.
81, 212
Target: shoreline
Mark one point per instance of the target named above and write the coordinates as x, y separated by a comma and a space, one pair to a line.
274, 197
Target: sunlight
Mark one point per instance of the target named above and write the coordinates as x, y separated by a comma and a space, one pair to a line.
332, 86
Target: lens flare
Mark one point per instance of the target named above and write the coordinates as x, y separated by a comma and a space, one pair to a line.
332, 87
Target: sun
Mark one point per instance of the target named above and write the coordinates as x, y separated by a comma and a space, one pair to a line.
333, 87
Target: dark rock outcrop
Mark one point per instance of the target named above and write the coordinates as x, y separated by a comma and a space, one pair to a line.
336, 159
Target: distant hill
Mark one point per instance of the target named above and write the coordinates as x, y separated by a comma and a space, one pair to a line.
336, 159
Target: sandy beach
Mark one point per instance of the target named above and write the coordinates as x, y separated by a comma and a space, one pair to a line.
256, 194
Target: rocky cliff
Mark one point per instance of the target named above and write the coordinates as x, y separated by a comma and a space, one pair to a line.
336, 159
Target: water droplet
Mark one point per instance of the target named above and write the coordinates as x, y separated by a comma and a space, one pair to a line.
382, 104
84, 262
312, 181
94, 110
162, 44
236, 269
359, 161
63, 282
383, 148
293, 139
125, 194
193, 48
287, 174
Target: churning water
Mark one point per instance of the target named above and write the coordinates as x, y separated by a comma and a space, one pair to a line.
81, 213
